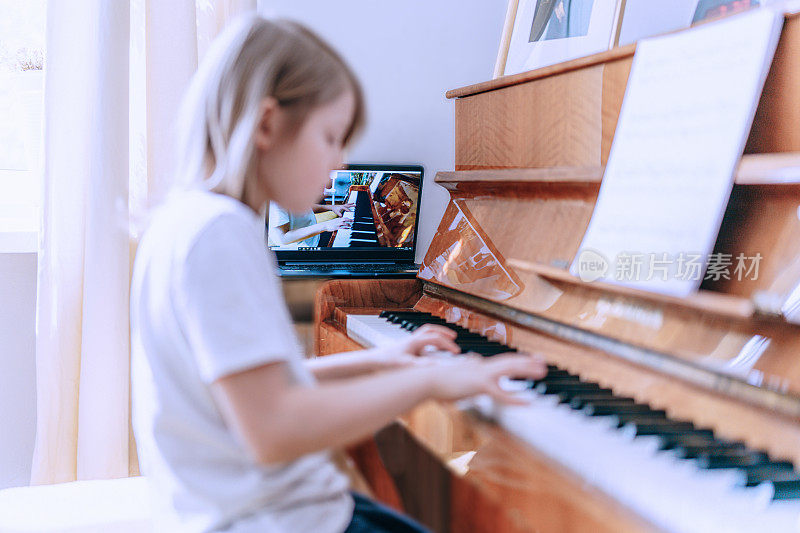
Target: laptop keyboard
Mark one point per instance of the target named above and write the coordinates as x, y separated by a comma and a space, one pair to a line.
349, 267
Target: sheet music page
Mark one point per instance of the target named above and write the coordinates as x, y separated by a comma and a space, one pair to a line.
686, 116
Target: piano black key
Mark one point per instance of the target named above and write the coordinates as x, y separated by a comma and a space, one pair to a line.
568, 387
399, 312
773, 471
579, 401
651, 417
658, 431
611, 409
692, 441
563, 374
555, 373
418, 317
486, 351
788, 489
734, 452
461, 332
414, 324
425, 318
656, 420
692, 450
663, 426
468, 335
419, 323
481, 344
745, 459
560, 380
422, 319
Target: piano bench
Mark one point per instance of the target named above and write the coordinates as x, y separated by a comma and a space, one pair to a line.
118, 505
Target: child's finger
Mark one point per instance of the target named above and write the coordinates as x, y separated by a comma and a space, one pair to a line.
522, 366
447, 332
440, 343
506, 397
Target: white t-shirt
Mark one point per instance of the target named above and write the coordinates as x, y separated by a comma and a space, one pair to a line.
205, 302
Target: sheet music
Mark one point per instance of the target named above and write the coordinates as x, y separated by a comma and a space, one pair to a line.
687, 112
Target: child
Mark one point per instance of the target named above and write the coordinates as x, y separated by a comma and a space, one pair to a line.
233, 425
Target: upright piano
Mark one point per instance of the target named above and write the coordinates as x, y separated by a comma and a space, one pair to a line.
658, 413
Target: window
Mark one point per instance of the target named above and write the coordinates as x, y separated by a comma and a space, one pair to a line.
22, 47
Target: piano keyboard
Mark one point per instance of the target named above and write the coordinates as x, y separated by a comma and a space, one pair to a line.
678, 476
362, 232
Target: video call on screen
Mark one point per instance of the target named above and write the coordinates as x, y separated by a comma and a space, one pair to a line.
358, 209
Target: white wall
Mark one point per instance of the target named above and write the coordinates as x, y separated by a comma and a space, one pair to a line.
408, 54
17, 367
644, 18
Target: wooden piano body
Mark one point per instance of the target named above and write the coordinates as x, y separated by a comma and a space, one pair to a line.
530, 151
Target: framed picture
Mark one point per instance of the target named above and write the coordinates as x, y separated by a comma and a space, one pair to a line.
538, 33
712, 9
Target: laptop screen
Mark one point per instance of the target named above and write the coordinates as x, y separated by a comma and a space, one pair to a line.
365, 212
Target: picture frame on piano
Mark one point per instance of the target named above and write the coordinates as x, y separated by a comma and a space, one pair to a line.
713, 9
539, 33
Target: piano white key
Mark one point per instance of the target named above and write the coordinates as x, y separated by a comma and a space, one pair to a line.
372, 330
343, 235
342, 238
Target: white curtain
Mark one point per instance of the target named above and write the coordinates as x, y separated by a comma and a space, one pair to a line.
114, 74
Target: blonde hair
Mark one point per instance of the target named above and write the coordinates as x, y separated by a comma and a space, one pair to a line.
253, 59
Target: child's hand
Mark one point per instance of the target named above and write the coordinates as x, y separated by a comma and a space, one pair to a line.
341, 208
430, 336
471, 374
337, 224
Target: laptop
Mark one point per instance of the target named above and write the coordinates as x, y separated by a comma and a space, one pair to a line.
365, 225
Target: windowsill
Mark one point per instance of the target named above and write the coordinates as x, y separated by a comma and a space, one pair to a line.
19, 230
19, 212
19, 241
